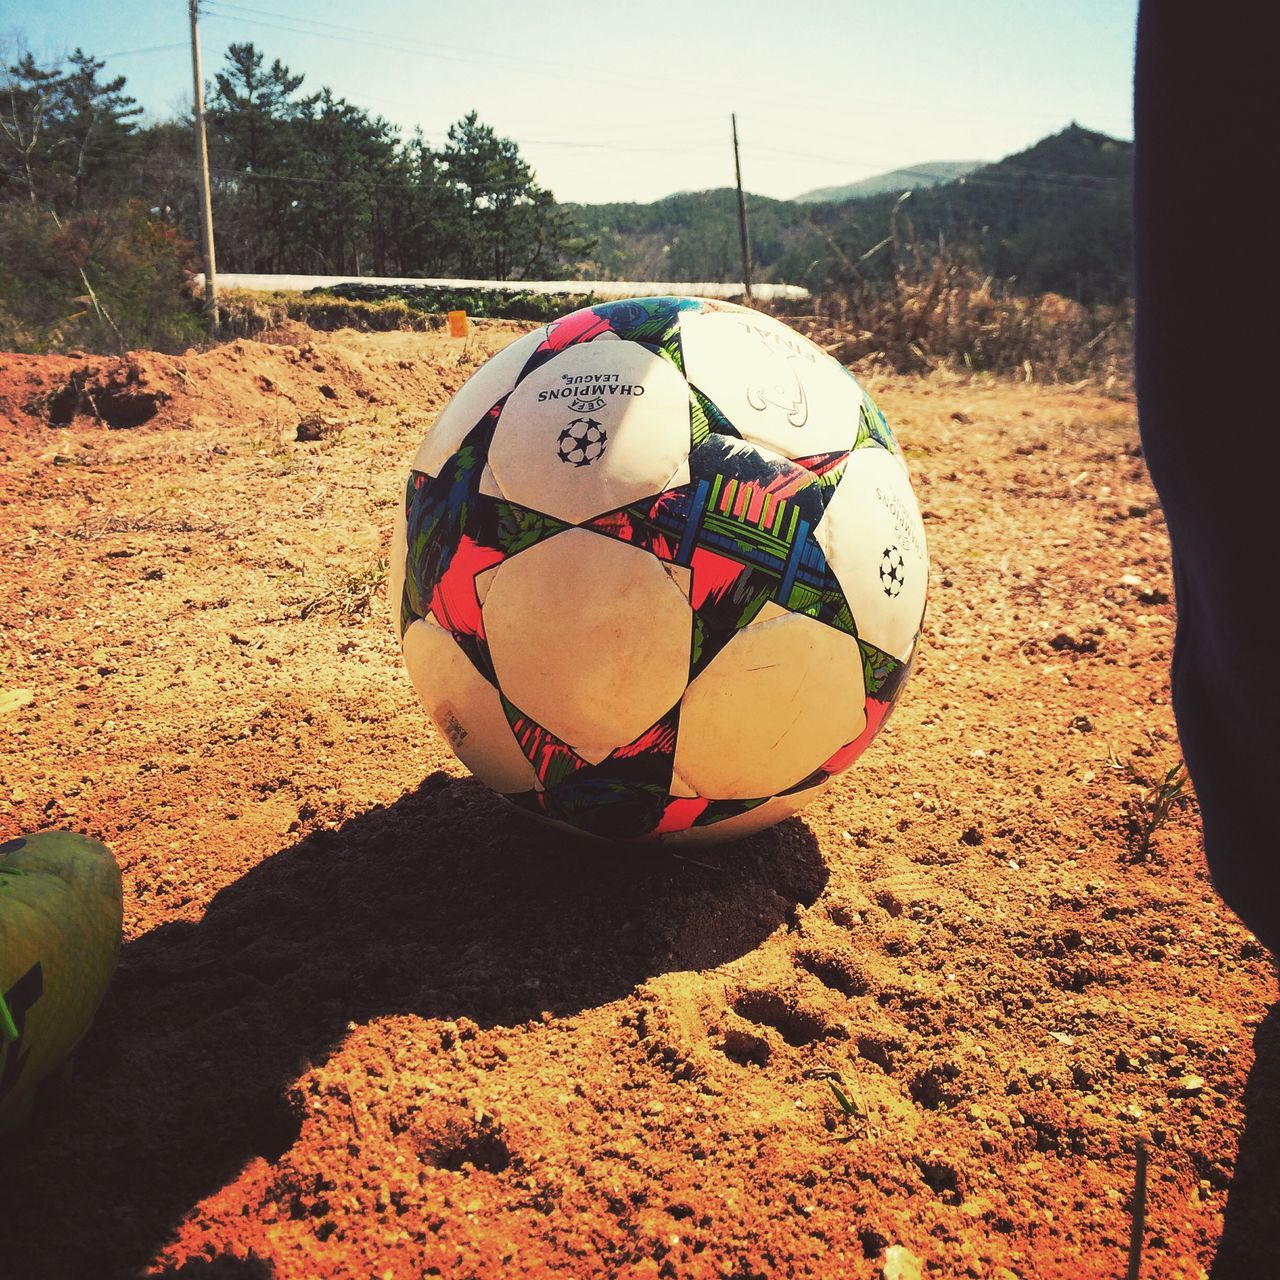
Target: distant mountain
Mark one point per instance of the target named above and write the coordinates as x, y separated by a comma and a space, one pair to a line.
930, 174
689, 236
1055, 217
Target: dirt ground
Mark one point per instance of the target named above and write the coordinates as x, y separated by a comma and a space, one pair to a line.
369, 1022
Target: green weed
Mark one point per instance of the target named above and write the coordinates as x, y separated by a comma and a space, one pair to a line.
850, 1108
1155, 801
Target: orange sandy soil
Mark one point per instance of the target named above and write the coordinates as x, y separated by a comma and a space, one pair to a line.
370, 1022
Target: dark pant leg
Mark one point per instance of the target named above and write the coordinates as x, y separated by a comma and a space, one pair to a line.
1205, 230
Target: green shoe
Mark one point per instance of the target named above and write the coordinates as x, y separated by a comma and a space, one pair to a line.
61, 915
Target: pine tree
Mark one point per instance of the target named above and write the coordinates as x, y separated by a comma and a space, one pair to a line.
64, 131
255, 119
94, 128
510, 227
345, 157
30, 95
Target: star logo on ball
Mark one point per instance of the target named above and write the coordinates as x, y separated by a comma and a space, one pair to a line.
892, 572
582, 442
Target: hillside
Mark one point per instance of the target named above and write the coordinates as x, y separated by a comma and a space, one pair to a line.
1055, 217
689, 236
931, 173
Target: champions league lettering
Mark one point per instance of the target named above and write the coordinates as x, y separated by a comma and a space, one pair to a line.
902, 520
587, 392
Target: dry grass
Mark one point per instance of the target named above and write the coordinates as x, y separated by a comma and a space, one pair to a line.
243, 314
351, 597
945, 314
939, 314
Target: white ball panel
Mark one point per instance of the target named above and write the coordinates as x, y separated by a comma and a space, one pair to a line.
768, 613
680, 788
599, 426
746, 824
775, 386
484, 581
590, 638
493, 380
465, 708
777, 702
873, 538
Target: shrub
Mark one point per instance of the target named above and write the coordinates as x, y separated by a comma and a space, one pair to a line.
109, 281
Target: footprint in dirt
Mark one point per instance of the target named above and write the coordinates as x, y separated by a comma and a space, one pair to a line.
839, 997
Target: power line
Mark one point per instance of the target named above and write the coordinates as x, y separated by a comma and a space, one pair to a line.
507, 62
249, 175
1019, 179
435, 49
151, 48
369, 184
1041, 176
230, 11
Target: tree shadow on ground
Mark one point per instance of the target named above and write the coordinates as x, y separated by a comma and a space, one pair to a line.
446, 904
1250, 1244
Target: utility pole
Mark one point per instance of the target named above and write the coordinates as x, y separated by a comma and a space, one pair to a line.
742, 213
202, 162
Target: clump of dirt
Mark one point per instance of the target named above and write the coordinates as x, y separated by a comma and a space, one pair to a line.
368, 1021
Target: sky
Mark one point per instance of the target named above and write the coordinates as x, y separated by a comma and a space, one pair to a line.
615, 101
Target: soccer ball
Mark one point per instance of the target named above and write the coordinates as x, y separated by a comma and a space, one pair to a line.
658, 571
